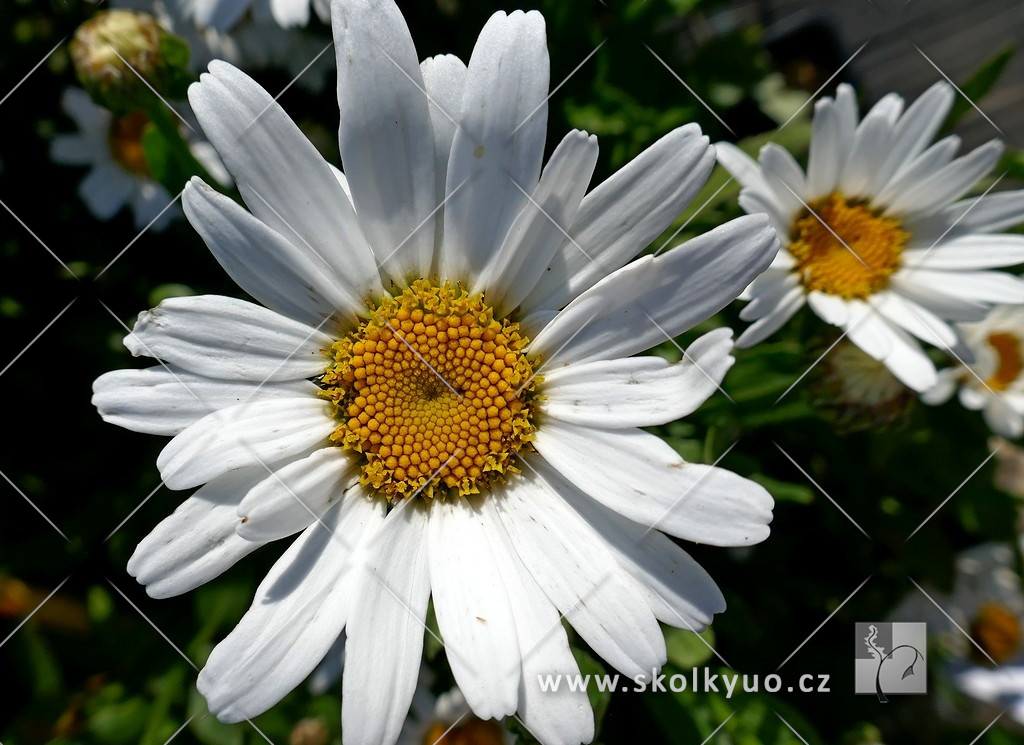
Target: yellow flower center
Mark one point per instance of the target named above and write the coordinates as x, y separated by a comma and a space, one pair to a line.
473, 731
997, 631
1010, 362
433, 391
125, 140
844, 248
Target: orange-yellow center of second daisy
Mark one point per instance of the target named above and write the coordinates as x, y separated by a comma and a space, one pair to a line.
433, 391
473, 731
125, 140
844, 248
1009, 364
997, 631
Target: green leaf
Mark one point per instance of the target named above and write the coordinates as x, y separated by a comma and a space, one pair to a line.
687, 649
979, 84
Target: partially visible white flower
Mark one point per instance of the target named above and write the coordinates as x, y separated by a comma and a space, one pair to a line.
221, 15
448, 718
994, 382
254, 41
874, 239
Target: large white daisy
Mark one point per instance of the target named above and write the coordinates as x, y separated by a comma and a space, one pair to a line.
437, 389
874, 237
994, 382
111, 146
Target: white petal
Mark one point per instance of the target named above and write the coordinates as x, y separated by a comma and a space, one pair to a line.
106, 190
380, 678
846, 113
943, 305
444, 79
570, 563
153, 207
244, 435
562, 717
969, 252
916, 172
297, 615
825, 153
767, 291
949, 183
973, 398
657, 297
985, 287
639, 391
75, 150
290, 278
753, 201
909, 363
1003, 419
89, 116
870, 147
783, 175
684, 594
639, 476
223, 337
197, 542
623, 214
219, 14
919, 321
472, 606
290, 13
768, 324
498, 148
988, 214
298, 494
290, 186
943, 389
164, 400
914, 130
830, 308
538, 231
386, 135
742, 167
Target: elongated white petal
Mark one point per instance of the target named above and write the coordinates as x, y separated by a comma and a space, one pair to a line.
537, 232
639, 391
196, 542
655, 298
772, 321
624, 214
988, 214
164, 400
871, 143
562, 717
914, 130
295, 496
919, 321
949, 183
943, 305
825, 151
287, 277
984, 287
908, 362
444, 79
969, 252
639, 476
571, 564
290, 186
783, 174
683, 593
385, 135
247, 434
1003, 419
915, 172
298, 613
830, 308
379, 679
289, 13
767, 291
869, 330
223, 337
499, 145
473, 607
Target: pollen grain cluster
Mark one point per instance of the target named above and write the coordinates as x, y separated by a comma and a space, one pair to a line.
845, 248
433, 391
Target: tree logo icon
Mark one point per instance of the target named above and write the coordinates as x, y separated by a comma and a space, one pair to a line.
890, 659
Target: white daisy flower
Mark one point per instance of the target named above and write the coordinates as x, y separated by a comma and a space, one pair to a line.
874, 237
118, 173
448, 717
221, 15
994, 382
439, 392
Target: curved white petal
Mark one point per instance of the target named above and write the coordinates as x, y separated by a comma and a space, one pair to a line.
768, 324
296, 616
871, 143
290, 186
385, 135
1003, 419
473, 607
499, 145
915, 172
379, 679
829, 308
914, 131
951, 182
655, 298
197, 541
624, 213
639, 476
639, 391
986, 214
537, 232
290, 278
570, 563
247, 434
825, 154
295, 496
969, 252
919, 321
162, 400
767, 291
228, 338
444, 80
984, 287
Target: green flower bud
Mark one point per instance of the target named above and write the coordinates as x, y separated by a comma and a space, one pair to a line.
114, 48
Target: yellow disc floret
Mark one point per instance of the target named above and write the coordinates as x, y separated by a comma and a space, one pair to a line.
845, 248
997, 631
1010, 363
125, 140
433, 391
